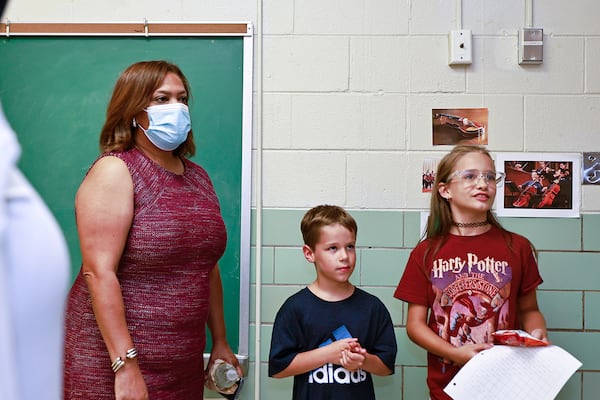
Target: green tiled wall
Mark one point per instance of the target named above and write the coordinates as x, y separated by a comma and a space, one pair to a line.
569, 259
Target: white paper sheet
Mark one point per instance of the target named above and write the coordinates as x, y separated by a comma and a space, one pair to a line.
507, 372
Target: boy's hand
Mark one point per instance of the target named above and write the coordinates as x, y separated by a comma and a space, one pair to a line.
352, 359
335, 349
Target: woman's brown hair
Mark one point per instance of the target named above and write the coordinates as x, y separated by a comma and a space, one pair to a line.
133, 93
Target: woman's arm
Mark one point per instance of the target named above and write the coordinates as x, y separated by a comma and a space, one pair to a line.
104, 212
216, 322
420, 333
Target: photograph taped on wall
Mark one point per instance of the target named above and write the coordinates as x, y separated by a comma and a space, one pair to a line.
428, 174
459, 126
591, 169
539, 185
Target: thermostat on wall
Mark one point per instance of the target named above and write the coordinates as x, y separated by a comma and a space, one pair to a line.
531, 45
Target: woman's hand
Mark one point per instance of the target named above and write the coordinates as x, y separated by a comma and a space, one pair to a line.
130, 384
222, 351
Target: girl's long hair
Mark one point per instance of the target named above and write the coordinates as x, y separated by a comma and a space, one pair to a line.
440, 216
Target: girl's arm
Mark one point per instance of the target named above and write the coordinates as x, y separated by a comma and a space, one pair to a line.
532, 320
420, 333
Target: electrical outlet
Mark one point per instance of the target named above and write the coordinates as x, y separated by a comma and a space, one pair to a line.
460, 47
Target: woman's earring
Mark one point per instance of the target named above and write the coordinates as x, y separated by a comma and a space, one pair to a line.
133, 123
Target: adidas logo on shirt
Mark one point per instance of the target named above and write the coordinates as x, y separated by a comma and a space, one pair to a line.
328, 374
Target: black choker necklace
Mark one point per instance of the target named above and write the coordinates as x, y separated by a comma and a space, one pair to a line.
469, 224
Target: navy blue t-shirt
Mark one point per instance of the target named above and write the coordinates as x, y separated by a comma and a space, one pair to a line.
305, 322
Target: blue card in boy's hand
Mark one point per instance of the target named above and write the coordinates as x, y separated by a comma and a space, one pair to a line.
341, 333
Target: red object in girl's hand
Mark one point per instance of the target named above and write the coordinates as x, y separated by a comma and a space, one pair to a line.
516, 337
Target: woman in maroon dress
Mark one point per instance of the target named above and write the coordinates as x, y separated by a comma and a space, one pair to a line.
151, 234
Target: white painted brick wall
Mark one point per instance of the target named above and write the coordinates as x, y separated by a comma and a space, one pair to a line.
348, 85
348, 121
278, 17
351, 17
592, 61
429, 69
277, 121
377, 178
496, 69
305, 63
379, 63
562, 123
304, 178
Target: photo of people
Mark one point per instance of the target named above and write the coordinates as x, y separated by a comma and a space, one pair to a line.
548, 184
428, 174
542, 182
460, 126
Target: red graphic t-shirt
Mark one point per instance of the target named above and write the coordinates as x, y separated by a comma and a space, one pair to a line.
471, 286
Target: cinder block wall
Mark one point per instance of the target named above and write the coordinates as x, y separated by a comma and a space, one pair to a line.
345, 90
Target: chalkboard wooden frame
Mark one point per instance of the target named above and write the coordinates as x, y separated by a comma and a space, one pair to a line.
175, 31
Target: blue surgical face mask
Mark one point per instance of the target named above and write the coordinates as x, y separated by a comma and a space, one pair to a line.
168, 125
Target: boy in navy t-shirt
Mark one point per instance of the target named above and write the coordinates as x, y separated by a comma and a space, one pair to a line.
331, 336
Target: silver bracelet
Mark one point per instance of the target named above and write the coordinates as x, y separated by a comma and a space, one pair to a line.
131, 353
118, 363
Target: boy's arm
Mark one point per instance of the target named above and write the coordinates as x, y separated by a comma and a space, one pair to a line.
532, 320
381, 361
311, 359
370, 363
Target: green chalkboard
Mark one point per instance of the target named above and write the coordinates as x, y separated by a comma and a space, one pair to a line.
55, 90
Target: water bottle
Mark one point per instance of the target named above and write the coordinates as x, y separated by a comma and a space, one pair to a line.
223, 377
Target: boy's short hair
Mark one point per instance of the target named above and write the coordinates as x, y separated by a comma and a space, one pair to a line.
324, 215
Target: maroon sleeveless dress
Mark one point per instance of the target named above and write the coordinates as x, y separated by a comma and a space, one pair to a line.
176, 238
